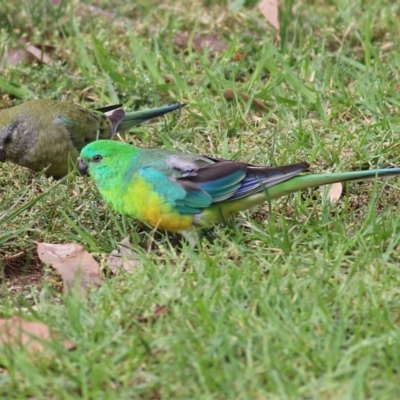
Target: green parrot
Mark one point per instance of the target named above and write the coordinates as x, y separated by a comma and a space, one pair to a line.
178, 191
43, 133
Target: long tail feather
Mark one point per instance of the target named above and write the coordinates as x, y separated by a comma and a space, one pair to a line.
137, 117
308, 181
220, 212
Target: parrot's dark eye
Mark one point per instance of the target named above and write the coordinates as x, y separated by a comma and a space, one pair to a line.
97, 158
8, 137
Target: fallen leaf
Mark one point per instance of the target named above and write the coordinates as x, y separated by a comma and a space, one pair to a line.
95, 11
386, 46
229, 94
332, 192
99, 11
159, 312
269, 8
123, 258
210, 42
29, 53
15, 56
34, 336
75, 265
39, 54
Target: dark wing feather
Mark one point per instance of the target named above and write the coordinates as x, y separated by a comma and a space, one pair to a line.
228, 180
261, 178
83, 126
205, 180
116, 117
108, 108
220, 180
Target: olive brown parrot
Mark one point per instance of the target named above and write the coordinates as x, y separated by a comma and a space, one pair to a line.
48, 134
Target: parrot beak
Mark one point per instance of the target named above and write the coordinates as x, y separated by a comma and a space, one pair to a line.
83, 167
2, 155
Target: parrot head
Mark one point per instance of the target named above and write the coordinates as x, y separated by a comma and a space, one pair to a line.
15, 136
104, 158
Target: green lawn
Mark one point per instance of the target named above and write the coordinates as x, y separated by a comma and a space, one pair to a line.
300, 300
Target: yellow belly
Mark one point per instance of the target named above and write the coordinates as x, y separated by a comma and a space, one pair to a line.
140, 201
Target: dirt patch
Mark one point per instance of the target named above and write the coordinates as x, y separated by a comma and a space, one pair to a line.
21, 271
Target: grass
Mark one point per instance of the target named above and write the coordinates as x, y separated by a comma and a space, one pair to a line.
300, 300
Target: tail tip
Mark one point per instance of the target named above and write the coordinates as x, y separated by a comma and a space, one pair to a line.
179, 105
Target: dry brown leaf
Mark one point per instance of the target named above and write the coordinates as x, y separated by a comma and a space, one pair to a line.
73, 263
333, 192
123, 258
386, 46
210, 42
94, 11
229, 94
269, 8
99, 12
34, 336
160, 311
15, 56
39, 54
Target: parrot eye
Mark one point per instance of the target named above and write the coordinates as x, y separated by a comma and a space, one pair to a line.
8, 137
97, 158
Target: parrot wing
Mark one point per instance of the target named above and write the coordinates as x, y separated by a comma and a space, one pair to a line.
85, 126
186, 200
199, 181
163, 170
229, 180
107, 109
